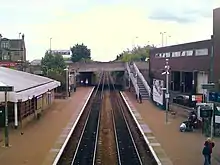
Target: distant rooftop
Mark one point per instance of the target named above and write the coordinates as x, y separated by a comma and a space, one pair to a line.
15, 44
36, 62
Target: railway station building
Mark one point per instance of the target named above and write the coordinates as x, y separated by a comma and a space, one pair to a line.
191, 64
31, 95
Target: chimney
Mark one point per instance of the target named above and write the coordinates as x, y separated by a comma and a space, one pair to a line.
22, 36
0, 36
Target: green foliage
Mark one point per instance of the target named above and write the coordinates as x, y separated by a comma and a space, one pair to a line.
80, 53
57, 75
66, 58
52, 63
137, 54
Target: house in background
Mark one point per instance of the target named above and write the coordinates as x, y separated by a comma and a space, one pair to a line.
13, 53
35, 67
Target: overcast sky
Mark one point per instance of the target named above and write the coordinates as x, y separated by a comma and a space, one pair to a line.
107, 27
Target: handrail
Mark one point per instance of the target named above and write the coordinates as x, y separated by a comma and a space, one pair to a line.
142, 79
133, 79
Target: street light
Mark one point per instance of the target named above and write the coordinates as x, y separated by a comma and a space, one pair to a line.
167, 39
162, 35
67, 80
167, 67
133, 42
50, 44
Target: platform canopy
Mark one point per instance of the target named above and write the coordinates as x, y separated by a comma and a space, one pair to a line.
25, 85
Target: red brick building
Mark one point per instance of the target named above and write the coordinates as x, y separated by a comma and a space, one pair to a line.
191, 64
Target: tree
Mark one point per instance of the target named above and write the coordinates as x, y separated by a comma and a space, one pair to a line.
80, 53
52, 63
137, 54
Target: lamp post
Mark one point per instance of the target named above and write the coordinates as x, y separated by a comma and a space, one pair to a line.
67, 80
50, 44
167, 39
133, 42
162, 35
212, 80
167, 96
6, 89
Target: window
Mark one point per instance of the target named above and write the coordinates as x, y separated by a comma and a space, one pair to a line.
183, 53
16, 53
176, 54
5, 45
167, 54
157, 55
189, 53
201, 52
5, 57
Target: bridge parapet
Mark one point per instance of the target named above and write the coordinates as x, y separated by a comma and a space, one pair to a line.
98, 66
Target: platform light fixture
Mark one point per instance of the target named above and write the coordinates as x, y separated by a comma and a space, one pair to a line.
167, 95
162, 35
67, 81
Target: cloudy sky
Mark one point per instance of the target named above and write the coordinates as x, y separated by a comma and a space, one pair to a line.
107, 27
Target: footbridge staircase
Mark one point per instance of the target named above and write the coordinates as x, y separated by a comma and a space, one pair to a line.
137, 79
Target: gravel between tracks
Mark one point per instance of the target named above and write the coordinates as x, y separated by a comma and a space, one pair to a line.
106, 154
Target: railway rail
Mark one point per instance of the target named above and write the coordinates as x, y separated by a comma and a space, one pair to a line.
128, 153
86, 149
106, 130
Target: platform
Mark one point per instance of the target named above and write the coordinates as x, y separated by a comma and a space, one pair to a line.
41, 139
167, 141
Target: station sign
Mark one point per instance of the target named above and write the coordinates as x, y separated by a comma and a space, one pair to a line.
8, 64
204, 110
208, 86
6, 88
197, 52
61, 52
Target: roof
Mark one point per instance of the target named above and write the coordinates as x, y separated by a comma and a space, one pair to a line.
36, 62
182, 47
16, 43
25, 85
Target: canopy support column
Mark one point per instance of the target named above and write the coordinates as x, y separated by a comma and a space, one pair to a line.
16, 114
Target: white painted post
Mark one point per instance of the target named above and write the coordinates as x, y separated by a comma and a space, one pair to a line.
16, 114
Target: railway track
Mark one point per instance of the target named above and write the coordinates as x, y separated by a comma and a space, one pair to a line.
106, 133
106, 147
128, 153
86, 150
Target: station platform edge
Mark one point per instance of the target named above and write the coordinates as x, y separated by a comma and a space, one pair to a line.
55, 153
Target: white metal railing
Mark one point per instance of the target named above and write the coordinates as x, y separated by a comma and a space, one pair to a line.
133, 79
139, 74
